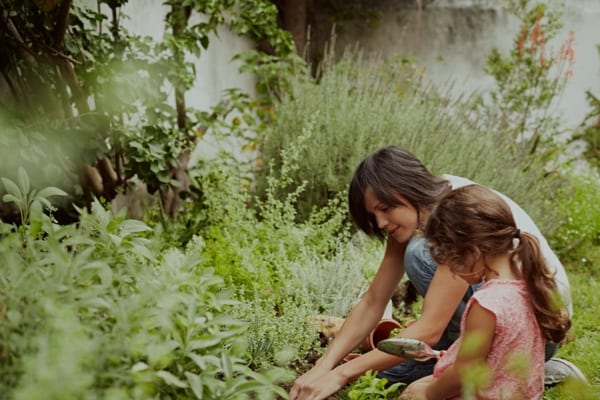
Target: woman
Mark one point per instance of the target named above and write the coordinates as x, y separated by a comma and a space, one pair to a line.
390, 196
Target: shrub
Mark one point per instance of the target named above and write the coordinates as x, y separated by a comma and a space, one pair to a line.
102, 310
283, 271
357, 106
370, 387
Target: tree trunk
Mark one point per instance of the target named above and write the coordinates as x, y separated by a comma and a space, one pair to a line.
293, 16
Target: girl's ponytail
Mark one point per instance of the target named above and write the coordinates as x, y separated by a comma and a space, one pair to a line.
548, 307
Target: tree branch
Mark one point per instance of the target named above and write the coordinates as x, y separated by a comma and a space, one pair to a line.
24, 51
179, 22
62, 23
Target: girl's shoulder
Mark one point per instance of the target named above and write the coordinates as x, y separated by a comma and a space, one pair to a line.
501, 287
498, 294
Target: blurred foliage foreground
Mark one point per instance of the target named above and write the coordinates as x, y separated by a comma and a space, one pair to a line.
213, 302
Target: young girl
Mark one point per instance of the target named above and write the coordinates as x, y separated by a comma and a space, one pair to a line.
500, 354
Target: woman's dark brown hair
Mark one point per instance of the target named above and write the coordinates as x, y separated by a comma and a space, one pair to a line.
389, 172
475, 217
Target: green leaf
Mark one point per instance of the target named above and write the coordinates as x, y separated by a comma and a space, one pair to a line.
229, 321
140, 366
12, 188
23, 179
98, 302
133, 226
35, 227
198, 360
204, 42
258, 377
248, 386
5, 228
102, 270
171, 379
8, 198
140, 249
43, 201
195, 384
227, 365
51, 191
115, 239
204, 343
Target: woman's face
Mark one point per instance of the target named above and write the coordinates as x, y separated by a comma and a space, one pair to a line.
399, 221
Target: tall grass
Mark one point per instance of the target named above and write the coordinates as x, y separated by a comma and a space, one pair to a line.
357, 105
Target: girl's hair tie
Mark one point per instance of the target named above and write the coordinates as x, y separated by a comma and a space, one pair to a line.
517, 234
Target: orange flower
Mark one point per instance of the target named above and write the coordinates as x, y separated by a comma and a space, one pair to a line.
521, 43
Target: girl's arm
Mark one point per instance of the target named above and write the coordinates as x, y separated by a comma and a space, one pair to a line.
476, 344
443, 297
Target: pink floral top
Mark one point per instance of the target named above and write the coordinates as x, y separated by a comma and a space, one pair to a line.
516, 360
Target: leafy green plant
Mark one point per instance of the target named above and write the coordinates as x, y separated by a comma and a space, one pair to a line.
119, 314
370, 387
283, 271
27, 199
240, 238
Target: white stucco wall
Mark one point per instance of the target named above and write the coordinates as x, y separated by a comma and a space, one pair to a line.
451, 38
215, 69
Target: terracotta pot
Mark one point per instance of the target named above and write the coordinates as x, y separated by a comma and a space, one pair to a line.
381, 331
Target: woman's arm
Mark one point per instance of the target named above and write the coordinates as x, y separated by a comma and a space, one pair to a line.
476, 344
323, 380
365, 315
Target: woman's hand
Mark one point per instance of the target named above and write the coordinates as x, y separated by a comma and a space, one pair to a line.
317, 384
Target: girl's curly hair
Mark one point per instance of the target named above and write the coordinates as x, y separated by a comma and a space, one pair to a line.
475, 217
